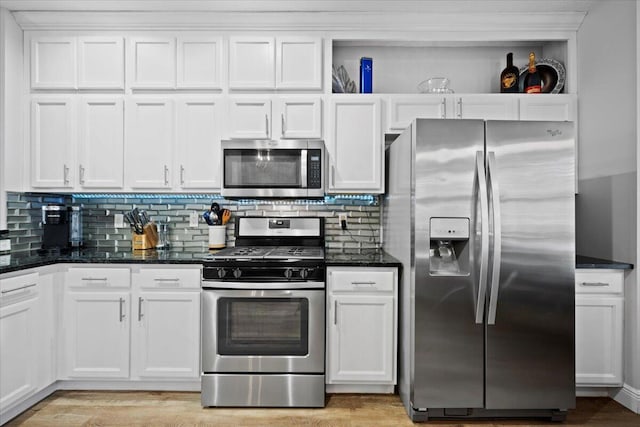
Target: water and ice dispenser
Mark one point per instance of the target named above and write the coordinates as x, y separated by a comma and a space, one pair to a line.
449, 246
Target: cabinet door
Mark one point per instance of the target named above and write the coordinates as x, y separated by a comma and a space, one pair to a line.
199, 62
599, 340
149, 141
355, 145
97, 334
52, 142
166, 340
403, 110
251, 63
250, 118
298, 63
101, 143
53, 63
299, 118
547, 107
361, 339
487, 107
100, 63
17, 351
152, 63
198, 143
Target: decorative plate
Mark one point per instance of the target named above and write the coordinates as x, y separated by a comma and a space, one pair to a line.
551, 72
341, 82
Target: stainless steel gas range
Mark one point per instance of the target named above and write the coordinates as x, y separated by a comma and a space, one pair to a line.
263, 305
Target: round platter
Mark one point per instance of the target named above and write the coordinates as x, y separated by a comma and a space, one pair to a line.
551, 72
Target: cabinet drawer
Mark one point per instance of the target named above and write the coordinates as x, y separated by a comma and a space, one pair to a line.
168, 278
599, 282
364, 280
19, 285
83, 277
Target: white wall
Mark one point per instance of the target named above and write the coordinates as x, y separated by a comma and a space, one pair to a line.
607, 205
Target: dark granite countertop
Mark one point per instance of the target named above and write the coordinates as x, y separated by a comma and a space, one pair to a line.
23, 260
365, 258
589, 262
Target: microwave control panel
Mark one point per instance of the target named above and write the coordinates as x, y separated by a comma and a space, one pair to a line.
314, 169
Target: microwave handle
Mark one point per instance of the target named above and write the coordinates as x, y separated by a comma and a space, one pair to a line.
303, 168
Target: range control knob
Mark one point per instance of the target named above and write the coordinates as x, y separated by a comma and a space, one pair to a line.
237, 273
288, 273
221, 272
304, 273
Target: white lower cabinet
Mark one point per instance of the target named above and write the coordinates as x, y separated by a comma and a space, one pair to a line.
166, 329
599, 327
19, 344
361, 329
136, 323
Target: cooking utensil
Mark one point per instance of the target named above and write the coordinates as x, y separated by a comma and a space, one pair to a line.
226, 215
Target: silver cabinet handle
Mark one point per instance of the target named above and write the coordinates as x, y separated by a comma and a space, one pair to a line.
81, 173
19, 289
160, 279
333, 176
140, 309
480, 184
66, 175
335, 312
363, 283
97, 279
284, 126
497, 238
181, 174
266, 121
166, 175
459, 108
444, 108
594, 284
122, 314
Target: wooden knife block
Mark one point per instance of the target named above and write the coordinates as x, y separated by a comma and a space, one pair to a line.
147, 240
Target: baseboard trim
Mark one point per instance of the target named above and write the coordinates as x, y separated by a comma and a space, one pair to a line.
19, 408
592, 391
359, 388
628, 397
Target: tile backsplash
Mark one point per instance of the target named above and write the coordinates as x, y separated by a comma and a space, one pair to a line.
24, 218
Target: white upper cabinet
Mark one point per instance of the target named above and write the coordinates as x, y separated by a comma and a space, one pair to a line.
199, 122
485, 106
355, 145
249, 118
275, 63
251, 63
199, 60
298, 63
149, 138
53, 63
299, 118
152, 63
101, 143
77, 62
53, 141
100, 63
548, 107
402, 110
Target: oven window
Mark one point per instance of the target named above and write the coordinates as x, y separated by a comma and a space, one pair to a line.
262, 168
263, 326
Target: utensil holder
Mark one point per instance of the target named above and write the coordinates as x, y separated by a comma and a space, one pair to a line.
217, 236
147, 240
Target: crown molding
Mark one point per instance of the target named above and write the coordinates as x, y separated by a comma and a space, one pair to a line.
398, 21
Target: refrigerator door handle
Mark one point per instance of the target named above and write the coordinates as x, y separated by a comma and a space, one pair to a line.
497, 238
481, 182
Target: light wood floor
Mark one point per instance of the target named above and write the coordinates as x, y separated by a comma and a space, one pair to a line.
132, 408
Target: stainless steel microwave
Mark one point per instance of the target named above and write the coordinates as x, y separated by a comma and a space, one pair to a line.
266, 168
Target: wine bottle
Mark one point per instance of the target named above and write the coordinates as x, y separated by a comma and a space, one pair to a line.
509, 76
532, 81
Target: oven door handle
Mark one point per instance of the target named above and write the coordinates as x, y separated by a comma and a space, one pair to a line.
261, 286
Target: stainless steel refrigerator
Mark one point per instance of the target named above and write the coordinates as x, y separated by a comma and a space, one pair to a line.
481, 215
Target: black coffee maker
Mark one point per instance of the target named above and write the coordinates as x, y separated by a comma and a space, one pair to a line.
55, 224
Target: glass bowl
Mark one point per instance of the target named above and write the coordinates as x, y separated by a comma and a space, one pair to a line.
435, 85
